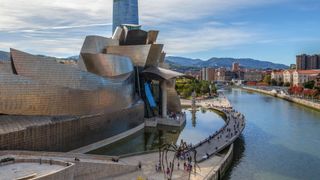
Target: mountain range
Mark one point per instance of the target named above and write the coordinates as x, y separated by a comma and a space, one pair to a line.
187, 63
174, 61
4, 55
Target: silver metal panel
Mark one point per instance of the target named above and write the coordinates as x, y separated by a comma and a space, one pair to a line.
107, 65
152, 37
22, 96
161, 73
45, 87
119, 34
141, 55
50, 72
6, 66
97, 44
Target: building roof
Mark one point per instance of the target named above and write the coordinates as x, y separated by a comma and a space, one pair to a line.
310, 72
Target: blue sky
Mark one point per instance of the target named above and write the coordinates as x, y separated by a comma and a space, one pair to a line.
272, 30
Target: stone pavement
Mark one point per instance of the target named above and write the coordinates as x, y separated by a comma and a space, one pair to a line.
149, 172
19, 170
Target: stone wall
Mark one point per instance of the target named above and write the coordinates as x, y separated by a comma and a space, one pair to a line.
68, 134
218, 172
288, 98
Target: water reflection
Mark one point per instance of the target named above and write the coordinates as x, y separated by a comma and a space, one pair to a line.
200, 124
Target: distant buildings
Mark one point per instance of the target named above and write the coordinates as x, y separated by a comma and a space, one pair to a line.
287, 77
235, 67
301, 77
255, 76
125, 12
307, 62
277, 75
294, 77
208, 74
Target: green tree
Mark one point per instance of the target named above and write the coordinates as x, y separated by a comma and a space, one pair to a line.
287, 84
309, 84
273, 82
267, 79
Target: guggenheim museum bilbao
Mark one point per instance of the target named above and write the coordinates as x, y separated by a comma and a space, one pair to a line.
118, 81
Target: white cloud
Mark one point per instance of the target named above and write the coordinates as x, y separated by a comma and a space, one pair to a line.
181, 41
58, 27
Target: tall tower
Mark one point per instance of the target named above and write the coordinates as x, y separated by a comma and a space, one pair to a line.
125, 12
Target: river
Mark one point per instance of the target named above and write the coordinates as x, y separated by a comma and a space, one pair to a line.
281, 139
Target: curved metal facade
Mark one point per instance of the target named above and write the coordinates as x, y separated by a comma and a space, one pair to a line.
107, 65
44, 87
141, 55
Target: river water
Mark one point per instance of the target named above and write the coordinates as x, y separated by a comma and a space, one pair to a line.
200, 124
281, 139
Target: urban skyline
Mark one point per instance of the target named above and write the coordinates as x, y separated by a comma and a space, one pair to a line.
258, 29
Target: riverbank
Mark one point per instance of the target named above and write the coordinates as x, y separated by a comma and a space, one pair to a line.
303, 102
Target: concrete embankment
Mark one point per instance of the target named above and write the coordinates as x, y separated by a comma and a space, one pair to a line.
109, 141
303, 102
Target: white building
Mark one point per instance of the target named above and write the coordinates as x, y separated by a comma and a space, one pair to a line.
303, 76
288, 76
277, 75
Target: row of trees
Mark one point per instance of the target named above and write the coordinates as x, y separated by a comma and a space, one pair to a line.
185, 87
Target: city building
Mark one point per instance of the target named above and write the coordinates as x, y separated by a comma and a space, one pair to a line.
235, 67
302, 76
317, 81
208, 74
293, 66
307, 62
253, 76
277, 75
288, 76
125, 12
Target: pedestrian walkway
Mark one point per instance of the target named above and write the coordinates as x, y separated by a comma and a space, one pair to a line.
207, 157
235, 123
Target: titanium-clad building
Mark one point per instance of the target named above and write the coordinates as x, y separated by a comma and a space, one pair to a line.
125, 12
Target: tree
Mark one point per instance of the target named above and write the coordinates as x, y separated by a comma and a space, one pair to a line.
273, 82
287, 84
309, 84
267, 79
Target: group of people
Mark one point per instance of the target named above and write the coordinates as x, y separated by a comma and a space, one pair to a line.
176, 116
228, 131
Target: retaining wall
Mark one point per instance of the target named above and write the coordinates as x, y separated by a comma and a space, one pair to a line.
288, 98
218, 172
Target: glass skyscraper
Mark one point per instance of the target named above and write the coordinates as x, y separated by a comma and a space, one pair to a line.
125, 12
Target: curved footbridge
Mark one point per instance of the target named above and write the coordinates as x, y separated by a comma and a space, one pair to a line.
212, 164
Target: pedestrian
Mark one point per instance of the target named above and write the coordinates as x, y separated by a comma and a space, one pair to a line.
184, 166
139, 165
178, 165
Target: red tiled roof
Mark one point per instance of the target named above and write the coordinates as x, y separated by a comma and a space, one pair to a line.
315, 71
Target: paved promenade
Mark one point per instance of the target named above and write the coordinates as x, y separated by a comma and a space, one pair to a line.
207, 150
